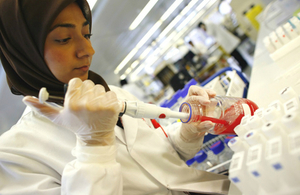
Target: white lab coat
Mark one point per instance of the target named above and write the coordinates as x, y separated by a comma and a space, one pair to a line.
35, 158
222, 36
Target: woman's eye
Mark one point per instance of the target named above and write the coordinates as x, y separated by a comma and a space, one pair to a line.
62, 40
87, 36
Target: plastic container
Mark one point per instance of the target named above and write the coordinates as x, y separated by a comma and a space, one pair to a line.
202, 162
223, 153
225, 112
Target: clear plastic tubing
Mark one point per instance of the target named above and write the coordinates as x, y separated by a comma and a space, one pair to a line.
225, 112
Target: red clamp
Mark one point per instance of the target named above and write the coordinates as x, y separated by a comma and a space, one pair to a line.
157, 125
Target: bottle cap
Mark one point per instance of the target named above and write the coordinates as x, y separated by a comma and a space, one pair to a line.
200, 156
292, 105
190, 162
271, 129
240, 130
288, 93
253, 137
217, 147
228, 138
271, 114
237, 145
291, 121
278, 105
259, 112
245, 119
255, 122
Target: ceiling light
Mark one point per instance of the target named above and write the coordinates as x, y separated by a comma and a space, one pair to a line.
125, 60
169, 28
202, 5
134, 64
123, 77
188, 7
138, 70
168, 42
128, 71
147, 36
170, 10
145, 52
186, 20
142, 14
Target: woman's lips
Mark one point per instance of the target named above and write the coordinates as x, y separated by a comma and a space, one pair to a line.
83, 68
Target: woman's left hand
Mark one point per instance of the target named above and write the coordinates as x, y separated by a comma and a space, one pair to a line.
192, 132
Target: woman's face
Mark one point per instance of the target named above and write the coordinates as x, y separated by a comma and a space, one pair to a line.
68, 50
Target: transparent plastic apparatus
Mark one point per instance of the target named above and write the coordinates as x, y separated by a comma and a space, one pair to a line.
225, 112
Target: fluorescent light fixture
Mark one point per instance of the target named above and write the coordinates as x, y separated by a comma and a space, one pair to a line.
167, 43
211, 3
169, 27
170, 10
123, 76
167, 40
149, 34
186, 20
188, 7
128, 70
202, 5
142, 14
134, 64
92, 3
177, 18
145, 52
138, 46
125, 60
139, 69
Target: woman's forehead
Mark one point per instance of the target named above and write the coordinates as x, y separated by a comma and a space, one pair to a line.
70, 13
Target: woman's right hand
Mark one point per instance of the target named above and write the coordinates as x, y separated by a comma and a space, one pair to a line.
89, 111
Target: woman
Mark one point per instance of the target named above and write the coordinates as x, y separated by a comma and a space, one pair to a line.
83, 147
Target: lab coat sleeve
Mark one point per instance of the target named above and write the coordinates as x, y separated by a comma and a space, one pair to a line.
95, 171
185, 150
36, 159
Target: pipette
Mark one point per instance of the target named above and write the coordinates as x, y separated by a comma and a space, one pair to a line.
132, 108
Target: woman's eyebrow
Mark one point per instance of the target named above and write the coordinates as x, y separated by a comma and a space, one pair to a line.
68, 25
85, 23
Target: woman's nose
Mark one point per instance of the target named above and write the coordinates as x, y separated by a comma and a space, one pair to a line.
84, 48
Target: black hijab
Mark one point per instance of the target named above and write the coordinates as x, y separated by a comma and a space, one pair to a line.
24, 25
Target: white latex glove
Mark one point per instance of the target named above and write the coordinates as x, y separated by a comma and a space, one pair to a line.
89, 111
192, 132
